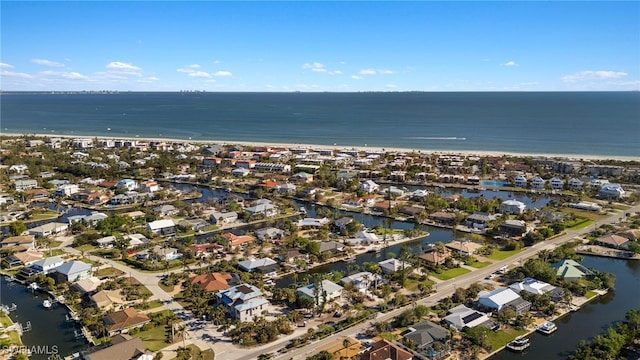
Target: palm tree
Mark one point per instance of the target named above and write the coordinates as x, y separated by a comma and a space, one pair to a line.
183, 333
346, 343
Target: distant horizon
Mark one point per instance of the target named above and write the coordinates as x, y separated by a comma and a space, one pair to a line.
307, 92
320, 46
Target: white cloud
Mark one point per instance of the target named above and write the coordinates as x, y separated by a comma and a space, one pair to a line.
529, 83
391, 86
217, 61
335, 72
375, 72
71, 75
593, 75
201, 74
45, 62
15, 74
123, 69
357, 77
5, 66
222, 73
510, 64
315, 66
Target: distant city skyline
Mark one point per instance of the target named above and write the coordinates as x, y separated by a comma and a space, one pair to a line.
319, 46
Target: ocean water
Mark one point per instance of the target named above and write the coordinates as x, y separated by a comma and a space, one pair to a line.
588, 123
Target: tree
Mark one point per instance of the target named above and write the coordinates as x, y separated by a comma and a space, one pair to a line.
16, 228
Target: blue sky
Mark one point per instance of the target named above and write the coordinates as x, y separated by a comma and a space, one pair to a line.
320, 46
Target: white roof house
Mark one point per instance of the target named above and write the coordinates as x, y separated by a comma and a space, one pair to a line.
512, 206
532, 286
556, 183
537, 183
520, 181
499, 298
160, 226
312, 222
369, 186
48, 229
461, 317
611, 191
390, 266
329, 290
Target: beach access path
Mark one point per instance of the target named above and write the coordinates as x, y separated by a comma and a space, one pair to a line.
199, 331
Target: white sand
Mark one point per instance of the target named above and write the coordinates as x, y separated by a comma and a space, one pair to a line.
481, 153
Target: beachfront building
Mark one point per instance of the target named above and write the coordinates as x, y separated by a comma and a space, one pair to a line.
556, 183
537, 183
43, 266
520, 181
575, 184
611, 191
512, 206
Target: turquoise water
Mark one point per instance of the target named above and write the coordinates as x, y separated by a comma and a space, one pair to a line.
494, 183
590, 123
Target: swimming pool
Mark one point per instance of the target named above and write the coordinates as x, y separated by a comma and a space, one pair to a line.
495, 183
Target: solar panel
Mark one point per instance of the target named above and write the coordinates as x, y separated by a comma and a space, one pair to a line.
469, 318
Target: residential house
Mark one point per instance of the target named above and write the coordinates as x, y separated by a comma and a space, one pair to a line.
513, 207
243, 301
234, 240
462, 317
302, 177
19, 243
611, 191
240, 172
390, 266
571, 270
340, 225
362, 280
123, 347
215, 281
631, 234
135, 240
269, 233
586, 205
328, 290
25, 184
263, 208
503, 298
312, 222
331, 246
128, 184
158, 253
445, 218
223, 218
286, 188
43, 266
513, 227
24, 258
613, 241
163, 227
426, 333
49, 229
520, 181
556, 183
121, 321
385, 350
479, 220
537, 183
537, 287
463, 247
107, 300
575, 184
263, 266
165, 210
436, 257
369, 186
88, 285
67, 190
72, 271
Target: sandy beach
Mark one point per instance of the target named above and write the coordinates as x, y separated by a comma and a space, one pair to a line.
480, 153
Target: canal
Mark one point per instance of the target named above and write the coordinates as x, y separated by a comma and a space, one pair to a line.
592, 319
51, 333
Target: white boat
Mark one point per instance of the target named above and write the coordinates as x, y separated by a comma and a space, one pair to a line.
519, 344
34, 286
574, 308
547, 328
46, 304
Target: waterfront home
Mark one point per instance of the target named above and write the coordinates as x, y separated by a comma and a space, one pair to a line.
328, 290
269, 233
149, 186
513, 207
24, 258
107, 300
72, 271
243, 301
19, 168
88, 285
49, 229
67, 190
215, 281
331, 246
128, 184
513, 227
556, 183
463, 247
122, 347
195, 224
163, 227
302, 177
631, 234
240, 172
479, 220
26, 184
586, 205
520, 181
426, 333
223, 218
18, 243
390, 266
286, 188
537, 287
135, 240
575, 184
613, 241
43, 266
386, 350
362, 280
263, 266
412, 210
436, 257
340, 225
158, 253
124, 320
462, 317
234, 240
90, 220
106, 242
611, 191
537, 183
571, 270
502, 298
445, 218
312, 222
264, 208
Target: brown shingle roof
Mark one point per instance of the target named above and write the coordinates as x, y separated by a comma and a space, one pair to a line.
384, 350
123, 350
125, 319
212, 281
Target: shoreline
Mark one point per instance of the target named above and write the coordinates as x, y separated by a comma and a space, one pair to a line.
481, 153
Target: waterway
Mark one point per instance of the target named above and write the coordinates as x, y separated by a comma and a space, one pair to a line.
50, 334
592, 319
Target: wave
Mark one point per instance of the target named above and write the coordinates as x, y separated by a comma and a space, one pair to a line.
436, 138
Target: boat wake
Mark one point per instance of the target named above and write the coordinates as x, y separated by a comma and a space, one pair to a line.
436, 138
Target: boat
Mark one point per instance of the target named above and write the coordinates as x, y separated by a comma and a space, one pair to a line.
34, 286
574, 308
547, 328
520, 343
46, 304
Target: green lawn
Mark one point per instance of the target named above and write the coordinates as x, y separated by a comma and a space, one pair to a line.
4, 320
502, 337
86, 248
55, 244
451, 273
580, 224
502, 254
590, 294
154, 339
479, 264
150, 305
412, 285
109, 272
49, 214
